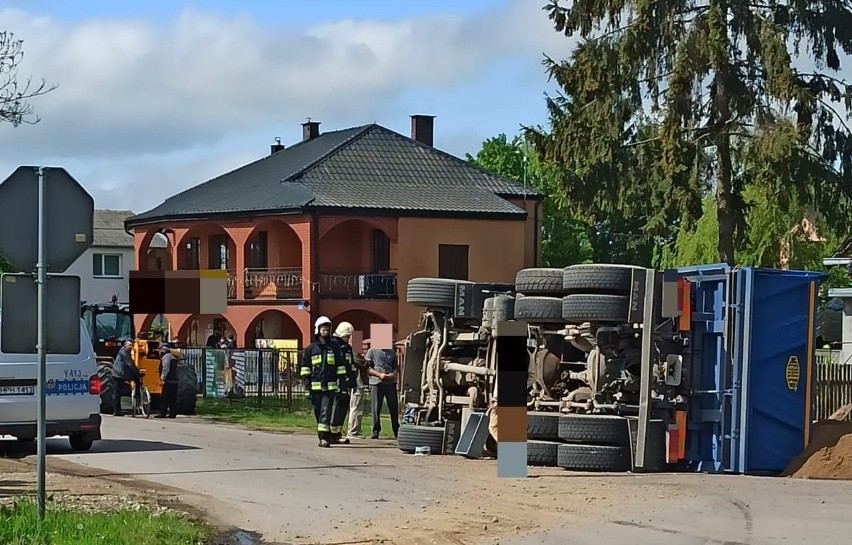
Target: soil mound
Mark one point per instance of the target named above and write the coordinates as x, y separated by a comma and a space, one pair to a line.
829, 454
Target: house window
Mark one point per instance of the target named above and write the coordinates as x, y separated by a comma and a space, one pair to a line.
218, 252
193, 254
106, 265
257, 255
453, 261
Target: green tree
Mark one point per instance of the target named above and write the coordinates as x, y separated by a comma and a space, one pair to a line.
717, 81
4, 265
564, 240
14, 95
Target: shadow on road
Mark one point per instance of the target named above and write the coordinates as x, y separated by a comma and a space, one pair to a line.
58, 445
359, 467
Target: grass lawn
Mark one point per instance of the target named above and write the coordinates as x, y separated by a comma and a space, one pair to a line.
273, 416
19, 525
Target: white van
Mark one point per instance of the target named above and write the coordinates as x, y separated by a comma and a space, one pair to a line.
73, 395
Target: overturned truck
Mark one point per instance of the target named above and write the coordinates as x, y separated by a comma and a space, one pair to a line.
588, 347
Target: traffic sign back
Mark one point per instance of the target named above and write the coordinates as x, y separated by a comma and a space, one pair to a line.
19, 314
68, 215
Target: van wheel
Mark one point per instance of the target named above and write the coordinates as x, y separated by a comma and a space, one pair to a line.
80, 443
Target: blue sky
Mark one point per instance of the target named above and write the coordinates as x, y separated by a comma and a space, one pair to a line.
163, 95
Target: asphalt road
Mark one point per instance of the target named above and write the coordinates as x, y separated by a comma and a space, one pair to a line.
290, 491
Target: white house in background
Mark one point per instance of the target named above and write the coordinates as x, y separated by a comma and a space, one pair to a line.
104, 267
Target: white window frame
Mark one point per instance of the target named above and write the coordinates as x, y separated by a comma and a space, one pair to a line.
102, 255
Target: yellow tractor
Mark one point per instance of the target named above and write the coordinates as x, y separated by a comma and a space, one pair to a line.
109, 325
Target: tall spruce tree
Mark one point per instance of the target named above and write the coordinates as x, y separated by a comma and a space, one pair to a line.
721, 83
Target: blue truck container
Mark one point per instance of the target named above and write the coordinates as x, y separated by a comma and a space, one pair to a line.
751, 367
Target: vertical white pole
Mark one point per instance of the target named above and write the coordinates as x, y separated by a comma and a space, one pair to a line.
40, 347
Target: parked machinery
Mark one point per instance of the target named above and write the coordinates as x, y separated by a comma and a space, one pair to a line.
109, 325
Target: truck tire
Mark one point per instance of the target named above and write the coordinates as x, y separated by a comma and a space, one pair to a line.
539, 281
539, 309
503, 310
487, 312
187, 395
544, 426
593, 458
579, 308
600, 279
432, 292
594, 429
105, 376
542, 453
411, 436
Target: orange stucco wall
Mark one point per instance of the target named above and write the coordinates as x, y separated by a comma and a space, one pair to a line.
497, 252
532, 245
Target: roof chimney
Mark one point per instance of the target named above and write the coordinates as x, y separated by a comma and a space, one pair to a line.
310, 130
277, 146
423, 128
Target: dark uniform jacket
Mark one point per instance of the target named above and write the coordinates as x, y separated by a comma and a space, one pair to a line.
123, 367
323, 366
350, 382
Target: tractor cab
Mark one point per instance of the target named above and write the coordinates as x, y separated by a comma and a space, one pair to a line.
109, 325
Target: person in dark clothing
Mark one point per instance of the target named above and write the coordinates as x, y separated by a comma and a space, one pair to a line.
383, 371
169, 381
322, 371
347, 382
123, 371
213, 340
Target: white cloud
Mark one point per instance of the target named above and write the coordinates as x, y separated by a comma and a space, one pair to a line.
159, 106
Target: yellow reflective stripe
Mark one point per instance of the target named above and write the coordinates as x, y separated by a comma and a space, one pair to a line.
336, 429
341, 370
305, 372
332, 386
322, 427
316, 360
316, 385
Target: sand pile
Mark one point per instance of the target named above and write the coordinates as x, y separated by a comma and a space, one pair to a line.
829, 455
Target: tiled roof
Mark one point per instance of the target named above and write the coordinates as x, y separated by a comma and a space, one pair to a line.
368, 167
109, 229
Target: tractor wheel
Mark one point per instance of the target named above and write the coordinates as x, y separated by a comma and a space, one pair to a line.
594, 429
187, 389
544, 426
432, 292
410, 437
593, 458
539, 282
105, 376
539, 309
580, 308
600, 279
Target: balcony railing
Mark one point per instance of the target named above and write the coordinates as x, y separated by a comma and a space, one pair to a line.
358, 285
272, 284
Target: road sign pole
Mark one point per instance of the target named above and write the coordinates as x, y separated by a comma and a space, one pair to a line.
41, 271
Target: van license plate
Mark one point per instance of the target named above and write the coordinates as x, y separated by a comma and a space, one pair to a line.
17, 390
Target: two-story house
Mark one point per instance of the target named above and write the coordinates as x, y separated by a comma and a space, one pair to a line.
104, 266
336, 225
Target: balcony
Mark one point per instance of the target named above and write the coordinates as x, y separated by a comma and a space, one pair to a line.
273, 284
349, 285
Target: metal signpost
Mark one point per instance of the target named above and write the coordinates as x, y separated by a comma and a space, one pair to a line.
43, 226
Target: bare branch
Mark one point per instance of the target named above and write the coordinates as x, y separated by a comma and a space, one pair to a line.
14, 106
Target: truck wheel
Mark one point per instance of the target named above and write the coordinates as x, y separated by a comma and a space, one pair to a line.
539, 309
410, 437
593, 458
432, 292
601, 279
542, 425
487, 311
595, 429
187, 389
580, 308
503, 309
542, 453
105, 375
539, 281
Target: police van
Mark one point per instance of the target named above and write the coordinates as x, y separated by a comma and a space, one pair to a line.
73, 395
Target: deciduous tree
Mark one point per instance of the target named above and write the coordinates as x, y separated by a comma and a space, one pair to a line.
14, 96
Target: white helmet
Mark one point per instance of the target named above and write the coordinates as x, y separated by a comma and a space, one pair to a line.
344, 329
322, 320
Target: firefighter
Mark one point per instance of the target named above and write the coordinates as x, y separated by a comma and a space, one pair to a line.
341, 401
323, 369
